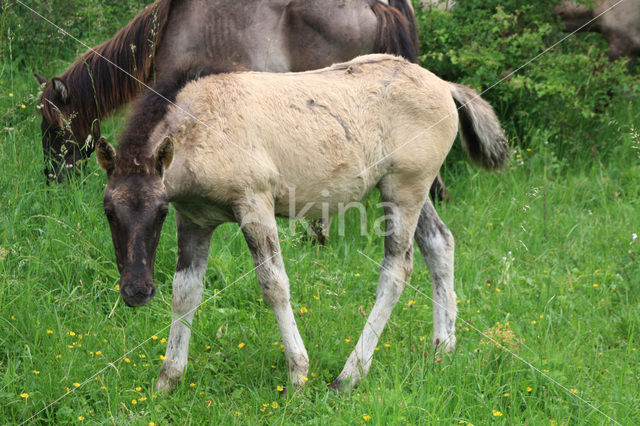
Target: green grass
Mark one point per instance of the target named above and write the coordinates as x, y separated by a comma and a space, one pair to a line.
545, 249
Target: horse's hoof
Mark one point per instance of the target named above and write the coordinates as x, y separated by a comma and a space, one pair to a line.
342, 385
166, 384
447, 346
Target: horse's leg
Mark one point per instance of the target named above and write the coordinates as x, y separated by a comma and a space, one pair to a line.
438, 191
193, 252
402, 208
256, 218
436, 245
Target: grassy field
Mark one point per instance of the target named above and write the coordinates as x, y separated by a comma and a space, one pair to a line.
547, 262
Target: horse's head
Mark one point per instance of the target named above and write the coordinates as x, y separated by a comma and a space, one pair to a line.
65, 141
136, 204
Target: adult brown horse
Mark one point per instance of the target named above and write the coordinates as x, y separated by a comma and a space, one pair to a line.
187, 35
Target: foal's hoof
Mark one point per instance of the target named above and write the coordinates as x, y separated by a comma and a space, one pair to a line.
166, 383
342, 385
445, 345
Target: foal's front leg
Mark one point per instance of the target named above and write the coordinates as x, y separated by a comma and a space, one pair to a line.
193, 252
258, 224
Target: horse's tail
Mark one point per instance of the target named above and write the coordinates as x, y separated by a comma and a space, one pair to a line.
480, 130
397, 29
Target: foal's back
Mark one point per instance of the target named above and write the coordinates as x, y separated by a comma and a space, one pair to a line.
337, 130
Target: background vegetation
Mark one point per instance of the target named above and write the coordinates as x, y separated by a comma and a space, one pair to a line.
546, 261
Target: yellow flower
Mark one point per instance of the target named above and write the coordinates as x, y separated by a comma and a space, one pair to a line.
304, 379
411, 303
595, 285
80, 418
58, 356
237, 413
152, 424
138, 388
23, 106
303, 310
274, 404
347, 340
98, 352
154, 337
24, 395
498, 290
192, 384
49, 331
134, 402
76, 384
117, 287
529, 388
71, 333
279, 388
144, 398
421, 338
534, 322
103, 387
366, 417
142, 356
241, 345
162, 357
506, 394
163, 340
387, 345
126, 359
10, 95
496, 413
36, 372
313, 374
316, 297
574, 390
356, 274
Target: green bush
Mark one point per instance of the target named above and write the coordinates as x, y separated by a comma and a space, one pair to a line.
499, 47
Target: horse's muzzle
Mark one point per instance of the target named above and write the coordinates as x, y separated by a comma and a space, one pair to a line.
137, 292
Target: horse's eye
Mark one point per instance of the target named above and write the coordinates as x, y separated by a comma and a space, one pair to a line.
162, 214
109, 214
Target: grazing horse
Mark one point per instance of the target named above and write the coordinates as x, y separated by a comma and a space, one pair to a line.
171, 35
247, 147
619, 22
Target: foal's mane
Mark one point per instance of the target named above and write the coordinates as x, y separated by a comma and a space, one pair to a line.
135, 144
97, 87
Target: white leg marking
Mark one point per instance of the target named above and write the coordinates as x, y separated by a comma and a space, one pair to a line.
187, 295
437, 246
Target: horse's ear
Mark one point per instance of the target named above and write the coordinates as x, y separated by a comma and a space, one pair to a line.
61, 89
95, 130
40, 79
164, 154
106, 155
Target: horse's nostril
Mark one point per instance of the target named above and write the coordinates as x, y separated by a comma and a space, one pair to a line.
128, 290
149, 290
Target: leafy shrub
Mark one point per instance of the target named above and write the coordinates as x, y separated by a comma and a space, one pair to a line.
569, 91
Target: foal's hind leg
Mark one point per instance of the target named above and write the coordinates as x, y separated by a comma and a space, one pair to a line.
401, 211
436, 244
256, 218
193, 252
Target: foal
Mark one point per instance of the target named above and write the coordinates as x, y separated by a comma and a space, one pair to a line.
236, 146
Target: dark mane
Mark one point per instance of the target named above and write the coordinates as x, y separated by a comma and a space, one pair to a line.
147, 112
397, 33
132, 48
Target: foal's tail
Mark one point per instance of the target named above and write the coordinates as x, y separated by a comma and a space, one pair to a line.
480, 130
